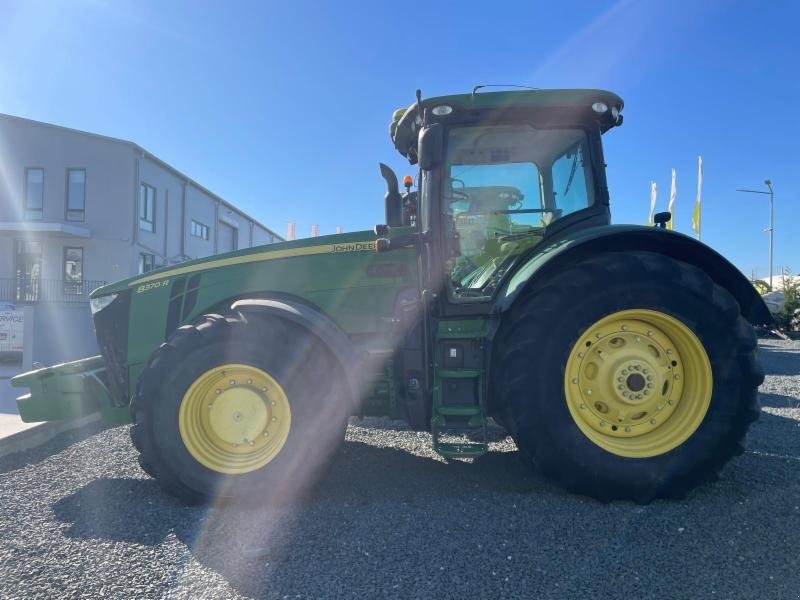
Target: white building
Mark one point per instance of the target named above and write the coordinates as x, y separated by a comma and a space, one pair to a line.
79, 209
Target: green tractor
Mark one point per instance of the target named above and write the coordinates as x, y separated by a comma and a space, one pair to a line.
622, 359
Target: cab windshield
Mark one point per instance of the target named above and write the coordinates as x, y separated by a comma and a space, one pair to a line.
503, 186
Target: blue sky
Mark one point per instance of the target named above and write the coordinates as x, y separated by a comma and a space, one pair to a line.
283, 108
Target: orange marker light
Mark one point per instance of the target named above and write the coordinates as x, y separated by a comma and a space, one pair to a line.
408, 181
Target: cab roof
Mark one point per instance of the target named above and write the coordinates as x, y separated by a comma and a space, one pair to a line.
556, 105
528, 98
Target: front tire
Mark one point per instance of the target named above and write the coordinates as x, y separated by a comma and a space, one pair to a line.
628, 376
234, 408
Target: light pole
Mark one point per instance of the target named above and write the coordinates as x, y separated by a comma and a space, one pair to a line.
771, 195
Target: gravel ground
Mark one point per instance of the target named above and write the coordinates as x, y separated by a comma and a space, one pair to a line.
79, 519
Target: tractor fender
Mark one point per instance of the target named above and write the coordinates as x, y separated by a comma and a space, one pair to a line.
317, 324
576, 246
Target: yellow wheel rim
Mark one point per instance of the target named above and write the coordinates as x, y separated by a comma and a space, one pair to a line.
234, 419
638, 383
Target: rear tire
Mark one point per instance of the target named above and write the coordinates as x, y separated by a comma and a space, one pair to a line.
540, 377
264, 380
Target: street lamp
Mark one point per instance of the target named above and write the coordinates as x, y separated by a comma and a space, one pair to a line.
768, 183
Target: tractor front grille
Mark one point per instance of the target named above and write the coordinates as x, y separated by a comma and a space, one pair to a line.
111, 328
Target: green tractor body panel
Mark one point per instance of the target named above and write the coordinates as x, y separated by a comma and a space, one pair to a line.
340, 276
552, 257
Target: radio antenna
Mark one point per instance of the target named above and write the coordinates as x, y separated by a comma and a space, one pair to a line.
419, 108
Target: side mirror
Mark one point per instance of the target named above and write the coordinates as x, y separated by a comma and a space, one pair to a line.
431, 146
661, 219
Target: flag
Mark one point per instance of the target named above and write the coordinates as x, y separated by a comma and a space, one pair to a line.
672, 193
652, 203
696, 214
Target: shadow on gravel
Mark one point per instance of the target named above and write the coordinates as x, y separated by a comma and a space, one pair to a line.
775, 440
19, 460
778, 361
778, 401
364, 475
381, 485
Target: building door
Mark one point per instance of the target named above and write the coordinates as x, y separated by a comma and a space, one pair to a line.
226, 238
28, 271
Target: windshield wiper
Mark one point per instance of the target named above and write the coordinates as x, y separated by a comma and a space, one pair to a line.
571, 173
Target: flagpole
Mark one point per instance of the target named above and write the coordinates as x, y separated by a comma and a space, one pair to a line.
696, 220
671, 208
652, 203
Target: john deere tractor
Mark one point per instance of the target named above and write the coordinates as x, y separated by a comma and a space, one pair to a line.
621, 358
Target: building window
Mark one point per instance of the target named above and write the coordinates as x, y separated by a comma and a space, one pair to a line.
73, 270
199, 230
147, 207
76, 194
34, 194
147, 262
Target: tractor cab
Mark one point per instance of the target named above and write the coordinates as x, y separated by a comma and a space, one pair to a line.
499, 173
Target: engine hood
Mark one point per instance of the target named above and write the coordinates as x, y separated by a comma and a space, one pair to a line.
360, 241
